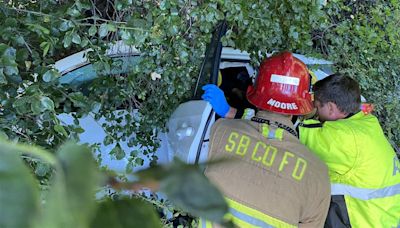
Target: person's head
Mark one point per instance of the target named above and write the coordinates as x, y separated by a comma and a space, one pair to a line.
282, 86
336, 96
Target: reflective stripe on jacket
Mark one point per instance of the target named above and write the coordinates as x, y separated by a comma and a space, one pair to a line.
243, 216
363, 167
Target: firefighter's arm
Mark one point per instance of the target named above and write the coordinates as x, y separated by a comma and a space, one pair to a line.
231, 113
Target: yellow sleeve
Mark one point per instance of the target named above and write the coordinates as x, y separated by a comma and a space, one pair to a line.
334, 144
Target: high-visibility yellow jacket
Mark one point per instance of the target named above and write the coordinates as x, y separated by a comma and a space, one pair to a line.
363, 168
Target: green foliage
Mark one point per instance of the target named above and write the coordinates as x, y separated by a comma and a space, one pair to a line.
267, 26
70, 202
363, 39
171, 37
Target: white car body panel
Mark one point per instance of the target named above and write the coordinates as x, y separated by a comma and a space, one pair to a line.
186, 127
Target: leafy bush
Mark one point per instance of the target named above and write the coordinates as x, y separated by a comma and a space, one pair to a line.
171, 36
363, 39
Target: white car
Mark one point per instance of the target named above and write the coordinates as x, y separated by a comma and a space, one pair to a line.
190, 124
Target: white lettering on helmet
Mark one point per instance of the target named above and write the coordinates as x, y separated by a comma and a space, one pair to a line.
282, 105
271, 102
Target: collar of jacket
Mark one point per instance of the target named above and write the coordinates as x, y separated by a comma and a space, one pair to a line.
285, 120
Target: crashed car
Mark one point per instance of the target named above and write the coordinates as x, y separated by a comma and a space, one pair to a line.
189, 126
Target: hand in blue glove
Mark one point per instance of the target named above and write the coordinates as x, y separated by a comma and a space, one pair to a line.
217, 99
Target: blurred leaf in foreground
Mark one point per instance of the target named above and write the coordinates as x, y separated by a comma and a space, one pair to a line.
19, 198
187, 188
126, 213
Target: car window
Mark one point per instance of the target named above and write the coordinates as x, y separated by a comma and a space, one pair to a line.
85, 73
209, 69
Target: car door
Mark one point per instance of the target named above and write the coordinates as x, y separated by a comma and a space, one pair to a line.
190, 124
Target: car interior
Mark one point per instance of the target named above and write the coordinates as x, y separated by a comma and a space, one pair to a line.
234, 83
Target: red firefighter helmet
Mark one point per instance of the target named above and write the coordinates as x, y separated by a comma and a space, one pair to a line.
282, 86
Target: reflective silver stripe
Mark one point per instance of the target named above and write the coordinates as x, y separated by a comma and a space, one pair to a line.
248, 113
247, 218
271, 134
364, 193
203, 223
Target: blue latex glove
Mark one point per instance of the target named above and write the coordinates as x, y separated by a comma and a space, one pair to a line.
217, 99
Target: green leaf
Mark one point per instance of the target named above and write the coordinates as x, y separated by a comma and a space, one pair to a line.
73, 12
50, 75
118, 152
64, 26
79, 130
67, 39
8, 54
36, 106
19, 196
61, 130
125, 35
95, 107
45, 46
81, 177
139, 161
11, 22
111, 27
11, 70
42, 169
79, 5
76, 38
47, 103
103, 30
79, 100
70, 202
41, 104
164, 4
174, 11
92, 30
38, 29
22, 105
3, 48
20, 40
125, 213
3, 80
84, 42
108, 140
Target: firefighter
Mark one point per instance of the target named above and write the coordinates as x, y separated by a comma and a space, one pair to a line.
270, 178
363, 167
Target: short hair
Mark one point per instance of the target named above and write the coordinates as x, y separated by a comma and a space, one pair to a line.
341, 90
